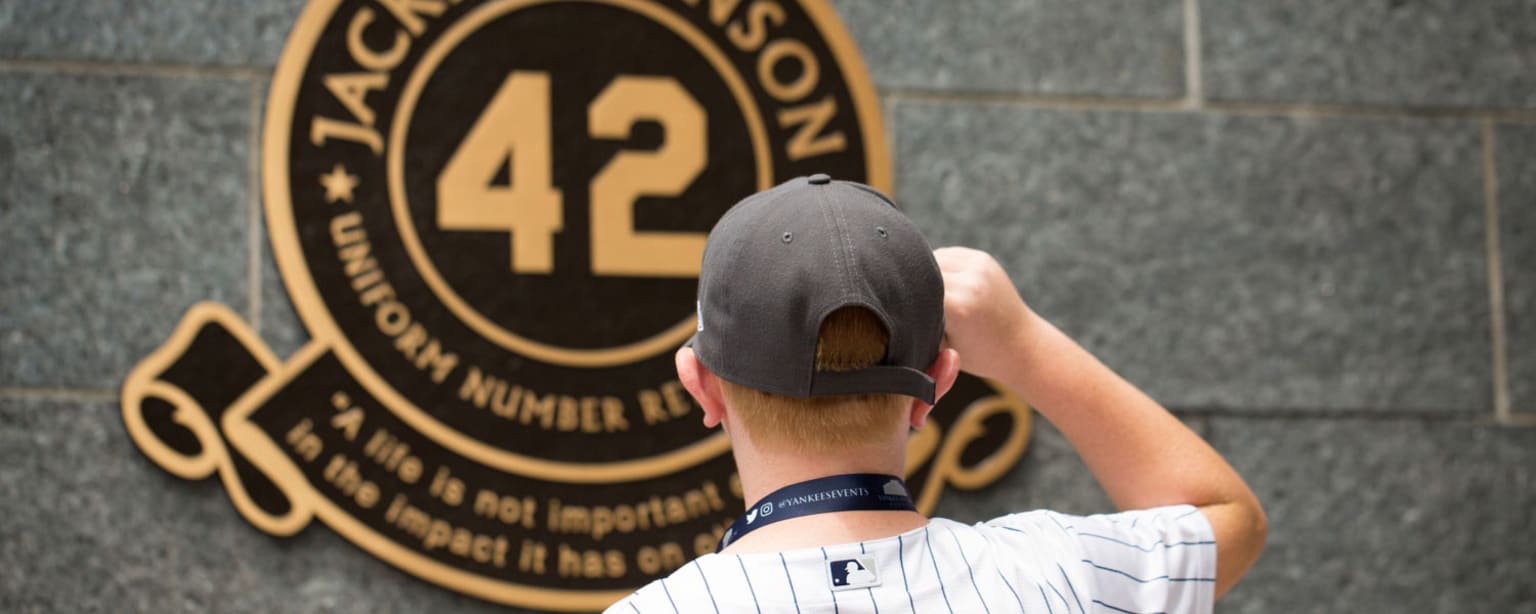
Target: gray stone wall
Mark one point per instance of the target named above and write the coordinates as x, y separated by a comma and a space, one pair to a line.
1308, 227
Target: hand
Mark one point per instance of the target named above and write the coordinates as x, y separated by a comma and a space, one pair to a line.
1142, 455
984, 318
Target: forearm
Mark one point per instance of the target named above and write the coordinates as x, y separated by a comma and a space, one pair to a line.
1140, 453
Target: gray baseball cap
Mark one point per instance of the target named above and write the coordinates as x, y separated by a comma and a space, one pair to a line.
782, 259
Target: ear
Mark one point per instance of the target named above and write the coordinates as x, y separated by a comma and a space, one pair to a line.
702, 384
944, 370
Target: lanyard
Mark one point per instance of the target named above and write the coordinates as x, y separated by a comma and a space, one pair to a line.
838, 493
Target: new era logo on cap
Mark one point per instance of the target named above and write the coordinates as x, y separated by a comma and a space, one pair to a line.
858, 572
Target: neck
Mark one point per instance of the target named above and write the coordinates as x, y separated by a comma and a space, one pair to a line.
765, 471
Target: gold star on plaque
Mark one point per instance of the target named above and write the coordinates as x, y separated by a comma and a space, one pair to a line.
338, 184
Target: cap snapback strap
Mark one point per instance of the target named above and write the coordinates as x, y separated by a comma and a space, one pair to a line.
878, 379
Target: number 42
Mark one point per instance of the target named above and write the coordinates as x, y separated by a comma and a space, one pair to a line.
516, 125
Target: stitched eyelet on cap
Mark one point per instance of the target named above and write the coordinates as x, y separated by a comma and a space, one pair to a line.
789, 236
880, 230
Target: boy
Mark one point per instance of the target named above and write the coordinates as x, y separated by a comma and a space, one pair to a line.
827, 329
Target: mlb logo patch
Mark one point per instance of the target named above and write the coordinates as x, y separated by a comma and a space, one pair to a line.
853, 573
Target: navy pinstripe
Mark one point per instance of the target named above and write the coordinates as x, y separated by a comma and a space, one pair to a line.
972, 572
1125, 610
707, 590
1151, 547
669, 596
829, 587
1010, 589
1144, 581
936, 575
900, 556
1016, 530
1072, 588
748, 578
791, 580
1063, 598
870, 590
1047, 600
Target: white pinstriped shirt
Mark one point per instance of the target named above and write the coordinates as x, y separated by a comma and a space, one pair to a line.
1157, 560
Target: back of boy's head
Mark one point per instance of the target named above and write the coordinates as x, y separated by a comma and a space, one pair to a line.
850, 338
820, 308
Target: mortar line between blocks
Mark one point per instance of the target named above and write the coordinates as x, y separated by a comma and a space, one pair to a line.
1494, 255
1070, 102
1329, 413
253, 208
1044, 101
1209, 417
1193, 85
150, 69
1370, 111
86, 395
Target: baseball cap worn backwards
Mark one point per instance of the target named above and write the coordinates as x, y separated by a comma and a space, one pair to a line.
782, 259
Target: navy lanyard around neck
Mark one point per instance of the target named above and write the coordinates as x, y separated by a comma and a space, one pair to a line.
838, 493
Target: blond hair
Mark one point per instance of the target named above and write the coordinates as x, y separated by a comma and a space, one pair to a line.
850, 338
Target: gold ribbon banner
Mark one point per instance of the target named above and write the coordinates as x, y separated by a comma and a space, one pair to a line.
302, 439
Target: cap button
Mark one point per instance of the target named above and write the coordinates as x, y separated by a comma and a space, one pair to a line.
820, 179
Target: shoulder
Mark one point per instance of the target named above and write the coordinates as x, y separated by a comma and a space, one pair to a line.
660, 595
1158, 532
1154, 559
641, 600
1183, 521
687, 589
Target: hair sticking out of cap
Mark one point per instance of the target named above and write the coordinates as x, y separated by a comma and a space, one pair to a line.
851, 338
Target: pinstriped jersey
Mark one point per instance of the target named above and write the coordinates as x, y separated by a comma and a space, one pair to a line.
1156, 560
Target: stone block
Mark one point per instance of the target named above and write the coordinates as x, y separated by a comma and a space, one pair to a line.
278, 323
122, 202
92, 526
213, 33
1516, 157
1387, 515
280, 326
1223, 260
1123, 48
1432, 53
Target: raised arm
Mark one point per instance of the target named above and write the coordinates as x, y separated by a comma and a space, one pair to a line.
1141, 454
